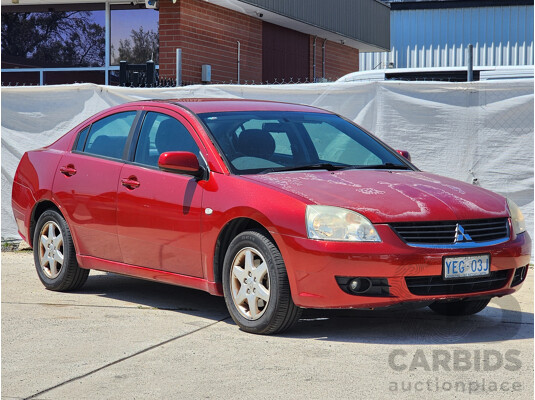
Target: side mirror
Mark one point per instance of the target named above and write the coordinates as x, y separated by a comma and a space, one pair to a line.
405, 154
182, 162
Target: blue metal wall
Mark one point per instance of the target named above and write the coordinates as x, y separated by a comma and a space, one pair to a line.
439, 37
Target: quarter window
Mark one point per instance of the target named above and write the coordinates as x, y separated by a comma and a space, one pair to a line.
107, 136
161, 133
82, 136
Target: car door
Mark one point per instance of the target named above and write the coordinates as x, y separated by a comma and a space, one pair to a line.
86, 184
158, 212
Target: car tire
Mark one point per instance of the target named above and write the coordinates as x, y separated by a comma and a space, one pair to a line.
256, 287
54, 254
459, 308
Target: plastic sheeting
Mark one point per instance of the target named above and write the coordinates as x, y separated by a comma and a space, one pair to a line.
469, 131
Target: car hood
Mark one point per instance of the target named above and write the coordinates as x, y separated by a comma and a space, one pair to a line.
391, 196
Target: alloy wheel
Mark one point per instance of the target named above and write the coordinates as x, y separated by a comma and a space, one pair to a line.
249, 278
51, 249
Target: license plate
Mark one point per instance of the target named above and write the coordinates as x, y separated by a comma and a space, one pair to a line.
466, 266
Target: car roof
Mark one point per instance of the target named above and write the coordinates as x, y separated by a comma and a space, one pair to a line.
211, 105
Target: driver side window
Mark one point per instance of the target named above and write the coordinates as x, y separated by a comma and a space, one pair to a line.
161, 133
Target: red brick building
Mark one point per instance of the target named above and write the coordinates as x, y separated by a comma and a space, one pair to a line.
273, 46
249, 40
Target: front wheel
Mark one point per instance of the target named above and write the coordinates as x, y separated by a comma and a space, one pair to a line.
54, 254
256, 287
458, 308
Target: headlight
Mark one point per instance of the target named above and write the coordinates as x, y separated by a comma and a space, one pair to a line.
339, 224
517, 219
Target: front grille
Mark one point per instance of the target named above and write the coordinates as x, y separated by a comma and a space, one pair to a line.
444, 232
432, 285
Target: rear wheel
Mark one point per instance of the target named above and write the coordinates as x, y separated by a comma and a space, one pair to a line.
54, 254
256, 287
458, 308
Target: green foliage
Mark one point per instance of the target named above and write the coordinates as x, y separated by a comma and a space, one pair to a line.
139, 48
58, 38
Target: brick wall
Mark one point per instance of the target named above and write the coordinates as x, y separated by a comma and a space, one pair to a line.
207, 34
339, 59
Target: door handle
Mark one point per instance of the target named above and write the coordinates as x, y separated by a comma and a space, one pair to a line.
130, 182
68, 170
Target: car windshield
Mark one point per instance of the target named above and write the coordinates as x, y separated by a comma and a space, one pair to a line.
255, 142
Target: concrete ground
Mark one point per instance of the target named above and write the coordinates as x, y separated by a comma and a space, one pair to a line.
122, 338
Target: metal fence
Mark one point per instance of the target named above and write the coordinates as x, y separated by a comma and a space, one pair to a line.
140, 81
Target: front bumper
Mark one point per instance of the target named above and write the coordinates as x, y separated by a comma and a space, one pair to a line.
313, 266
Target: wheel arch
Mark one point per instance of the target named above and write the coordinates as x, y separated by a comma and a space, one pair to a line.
38, 209
231, 229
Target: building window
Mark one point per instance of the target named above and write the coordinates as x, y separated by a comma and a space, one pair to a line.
66, 43
134, 35
53, 37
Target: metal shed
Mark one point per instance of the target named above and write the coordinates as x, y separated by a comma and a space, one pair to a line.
436, 34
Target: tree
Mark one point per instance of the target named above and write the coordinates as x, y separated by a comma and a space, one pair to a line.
53, 38
141, 47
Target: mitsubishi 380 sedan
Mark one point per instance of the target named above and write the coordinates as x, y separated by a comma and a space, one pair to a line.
277, 207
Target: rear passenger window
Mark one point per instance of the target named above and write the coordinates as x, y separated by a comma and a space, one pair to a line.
161, 133
107, 136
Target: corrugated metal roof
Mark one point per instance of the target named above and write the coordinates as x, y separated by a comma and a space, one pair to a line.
439, 38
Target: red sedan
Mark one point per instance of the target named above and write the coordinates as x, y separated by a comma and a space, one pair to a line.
275, 206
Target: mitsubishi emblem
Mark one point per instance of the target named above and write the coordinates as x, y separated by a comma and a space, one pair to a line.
460, 235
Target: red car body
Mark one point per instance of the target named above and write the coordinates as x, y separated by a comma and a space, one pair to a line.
174, 229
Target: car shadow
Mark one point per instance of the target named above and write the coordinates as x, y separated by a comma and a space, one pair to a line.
502, 320
149, 294
416, 326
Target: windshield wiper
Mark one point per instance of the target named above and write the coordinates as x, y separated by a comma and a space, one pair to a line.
333, 167
306, 167
381, 166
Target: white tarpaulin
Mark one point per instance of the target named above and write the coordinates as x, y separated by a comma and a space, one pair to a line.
476, 130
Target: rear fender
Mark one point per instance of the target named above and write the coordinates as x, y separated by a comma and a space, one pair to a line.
32, 184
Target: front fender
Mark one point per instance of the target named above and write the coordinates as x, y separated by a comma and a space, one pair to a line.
227, 197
